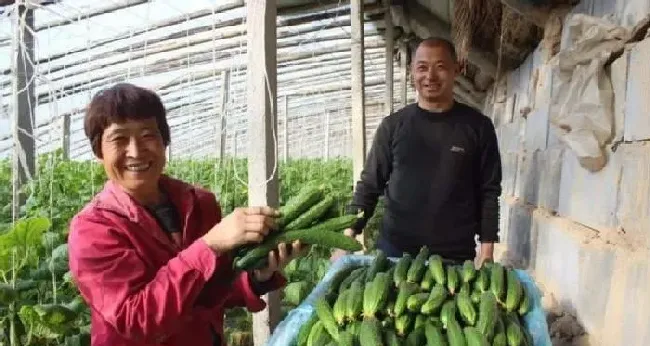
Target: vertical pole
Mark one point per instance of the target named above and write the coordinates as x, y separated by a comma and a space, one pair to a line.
262, 125
286, 129
65, 136
403, 52
24, 163
327, 135
221, 143
389, 38
358, 102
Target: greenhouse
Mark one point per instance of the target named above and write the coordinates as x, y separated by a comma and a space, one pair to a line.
289, 104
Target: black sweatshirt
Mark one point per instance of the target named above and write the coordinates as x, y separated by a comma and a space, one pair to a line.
440, 174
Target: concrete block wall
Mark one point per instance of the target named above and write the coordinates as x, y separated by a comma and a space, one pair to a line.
584, 235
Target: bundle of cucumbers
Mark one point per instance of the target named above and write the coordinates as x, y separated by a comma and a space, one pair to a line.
420, 301
303, 218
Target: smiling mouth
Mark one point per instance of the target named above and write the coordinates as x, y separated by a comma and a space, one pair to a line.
432, 87
138, 167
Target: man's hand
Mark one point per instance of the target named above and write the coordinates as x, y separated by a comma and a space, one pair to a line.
486, 254
277, 262
338, 253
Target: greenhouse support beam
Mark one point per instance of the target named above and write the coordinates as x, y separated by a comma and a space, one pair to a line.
223, 114
262, 133
65, 135
403, 71
24, 165
390, 38
358, 102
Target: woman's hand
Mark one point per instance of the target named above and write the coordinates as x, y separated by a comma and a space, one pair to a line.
242, 226
277, 262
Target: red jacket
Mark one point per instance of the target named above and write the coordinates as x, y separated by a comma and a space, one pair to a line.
141, 287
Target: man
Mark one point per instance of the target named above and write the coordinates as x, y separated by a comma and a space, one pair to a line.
438, 163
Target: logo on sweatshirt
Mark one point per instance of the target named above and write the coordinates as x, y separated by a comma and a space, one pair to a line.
456, 149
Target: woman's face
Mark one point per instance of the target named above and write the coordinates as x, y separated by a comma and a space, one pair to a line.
133, 155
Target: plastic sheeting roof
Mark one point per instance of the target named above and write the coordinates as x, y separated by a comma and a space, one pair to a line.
181, 52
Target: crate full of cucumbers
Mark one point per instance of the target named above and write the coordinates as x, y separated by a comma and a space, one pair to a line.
417, 301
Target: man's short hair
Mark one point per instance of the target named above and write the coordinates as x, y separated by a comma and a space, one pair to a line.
437, 42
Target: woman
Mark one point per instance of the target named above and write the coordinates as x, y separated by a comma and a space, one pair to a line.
150, 254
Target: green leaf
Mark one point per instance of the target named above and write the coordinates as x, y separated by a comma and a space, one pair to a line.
54, 314
60, 253
23, 240
296, 292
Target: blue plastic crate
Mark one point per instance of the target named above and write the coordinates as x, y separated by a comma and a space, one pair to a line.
286, 332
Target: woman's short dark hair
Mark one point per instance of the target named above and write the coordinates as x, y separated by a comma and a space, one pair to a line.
117, 104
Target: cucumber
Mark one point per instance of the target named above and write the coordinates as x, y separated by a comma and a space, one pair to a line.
483, 279
497, 278
339, 308
305, 329
347, 282
453, 281
417, 268
337, 224
515, 291
353, 328
416, 337
401, 269
435, 320
466, 309
526, 303
448, 313
379, 264
375, 295
306, 236
474, 337
354, 305
476, 296
346, 338
427, 281
433, 335
488, 314
437, 269
514, 331
414, 302
406, 289
465, 289
307, 218
337, 280
436, 298
390, 338
420, 321
306, 198
326, 316
370, 333
318, 335
403, 324
468, 271
455, 334
388, 322
500, 340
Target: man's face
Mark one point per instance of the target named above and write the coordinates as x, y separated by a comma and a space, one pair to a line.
134, 155
434, 71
